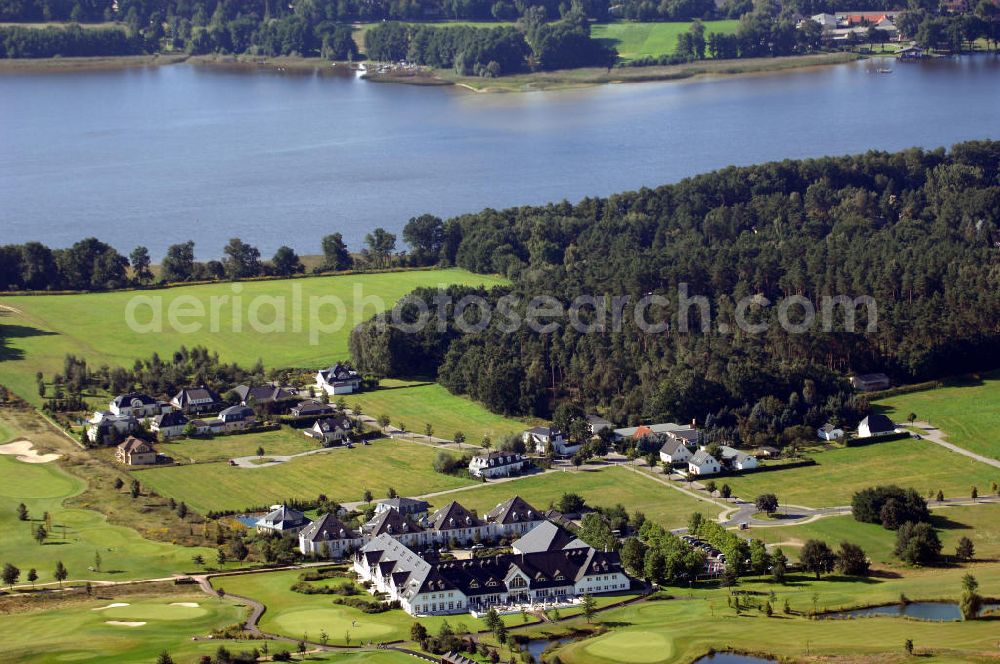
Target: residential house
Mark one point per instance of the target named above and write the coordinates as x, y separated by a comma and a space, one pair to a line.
263, 394
312, 408
643, 430
541, 439
411, 508
170, 425
195, 400
675, 452
733, 459
870, 382
512, 518
455, 522
135, 452
338, 379
703, 463
282, 520
497, 464
911, 53
767, 452
547, 536
234, 418
460, 586
137, 405
328, 537
829, 432
390, 522
331, 431
596, 424
104, 426
875, 425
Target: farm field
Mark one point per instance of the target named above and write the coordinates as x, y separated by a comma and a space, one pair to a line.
840, 472
76, 534
965, 411
637, 40
42, 329
342, 474
416, 403
606, 487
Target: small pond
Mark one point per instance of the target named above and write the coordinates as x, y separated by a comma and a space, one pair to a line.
732, 658
248, 520
537, 646
936, 611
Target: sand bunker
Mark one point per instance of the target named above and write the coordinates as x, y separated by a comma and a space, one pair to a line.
190, 605
111, 606
124, 623
24, 450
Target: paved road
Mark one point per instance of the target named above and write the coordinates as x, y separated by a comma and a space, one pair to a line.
935, 435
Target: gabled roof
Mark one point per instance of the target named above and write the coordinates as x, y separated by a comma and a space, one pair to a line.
313, 407
236, 413
453, 516
878, 423
514, 510
332, 424
547, 536
672, 446
549, 432
263, 393
196, 394
327, 528
405, 505
338, 373
701, 457
133, 445
390, 522
174, 418
498, 458
631, 432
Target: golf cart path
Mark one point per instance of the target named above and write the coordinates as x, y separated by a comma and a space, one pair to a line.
936, 436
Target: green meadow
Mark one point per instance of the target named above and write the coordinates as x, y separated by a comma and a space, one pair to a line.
964, 409
606, 487
416, 404
75, 534
840, 472
340, 473
637, 40
283, 442
285, 323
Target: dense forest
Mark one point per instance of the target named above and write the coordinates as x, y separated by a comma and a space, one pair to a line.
918, 231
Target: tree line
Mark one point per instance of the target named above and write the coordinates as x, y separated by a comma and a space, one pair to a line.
914, 230
72, 41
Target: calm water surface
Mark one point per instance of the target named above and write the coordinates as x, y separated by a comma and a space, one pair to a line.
162, 155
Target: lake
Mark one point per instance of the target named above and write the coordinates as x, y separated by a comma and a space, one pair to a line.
161, 155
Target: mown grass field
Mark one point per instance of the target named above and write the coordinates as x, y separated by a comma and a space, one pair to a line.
285, 441
606, 487
342, 474
637, 40
75, 534
42, 329
965, 410
417, 403
839, 473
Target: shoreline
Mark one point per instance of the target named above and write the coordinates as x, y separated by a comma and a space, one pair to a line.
535, 81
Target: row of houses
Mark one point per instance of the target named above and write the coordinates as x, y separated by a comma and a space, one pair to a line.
840, 27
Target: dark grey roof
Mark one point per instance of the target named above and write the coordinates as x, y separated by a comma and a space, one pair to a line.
174, 418
701, 457
879, 424
453, 516
514, 510
327, 528
672, 446
339, 373
497, 458
283, 518
406, 505
545, 431
313, 407
390, 522
547, 536
236, 414
196, 394
263, 393
130, 399
332, 424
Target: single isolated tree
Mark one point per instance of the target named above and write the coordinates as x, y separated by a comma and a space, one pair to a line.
61, 573
10, 574
767, 503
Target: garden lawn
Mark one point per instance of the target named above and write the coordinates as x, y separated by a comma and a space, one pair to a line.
637, 40
965, 410
839, 473
606, 487
416, 404
340, 473
42, 329
76, 534
283, 442
296, 615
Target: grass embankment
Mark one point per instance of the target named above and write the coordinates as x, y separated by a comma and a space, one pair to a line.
342, 474
605, 488
635, 40
840, 472
77, 532
42, 329
416, 404
965, 409
97, 63
587, 76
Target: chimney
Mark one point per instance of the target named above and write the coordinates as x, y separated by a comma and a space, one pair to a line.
694, 425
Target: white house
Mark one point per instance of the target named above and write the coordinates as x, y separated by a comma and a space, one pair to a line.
829, 432
137, 405
327, 537
338, 379
703, 463
281, 520
332, 430
197, 400
735, 460
170, 425
497, 464
875, 425
513, 518
104, 423
540, 438
674, 452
